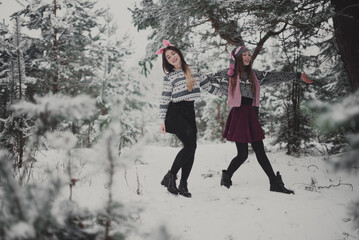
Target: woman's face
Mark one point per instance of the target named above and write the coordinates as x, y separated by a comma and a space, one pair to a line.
246, 57
173, 58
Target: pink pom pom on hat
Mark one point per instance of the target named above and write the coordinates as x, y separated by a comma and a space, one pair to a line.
232, 61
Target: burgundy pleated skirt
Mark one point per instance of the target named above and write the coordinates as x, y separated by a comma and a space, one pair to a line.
243, 125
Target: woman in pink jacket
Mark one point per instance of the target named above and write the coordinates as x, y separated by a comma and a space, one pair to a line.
242, 125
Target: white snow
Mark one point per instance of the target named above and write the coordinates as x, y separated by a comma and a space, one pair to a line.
74, 108
248, 210
21, 230
64, 140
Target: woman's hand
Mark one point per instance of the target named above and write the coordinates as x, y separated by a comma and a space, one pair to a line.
163, 128
305, 78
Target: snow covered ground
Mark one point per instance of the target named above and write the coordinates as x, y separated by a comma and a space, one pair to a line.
248, 210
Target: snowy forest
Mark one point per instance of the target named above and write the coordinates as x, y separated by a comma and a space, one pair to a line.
82, 155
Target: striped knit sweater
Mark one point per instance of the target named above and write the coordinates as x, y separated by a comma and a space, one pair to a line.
175, 88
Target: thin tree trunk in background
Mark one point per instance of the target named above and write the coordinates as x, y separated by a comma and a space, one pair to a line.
271, 125
55, 72
21, 143
219, 114
289, 151
109, 203
103, 111
103, 97
19, 69
88, 144
19, 119
296, 114
3, 114
346, 27
55, 79
104, 86
18, 56
12, 89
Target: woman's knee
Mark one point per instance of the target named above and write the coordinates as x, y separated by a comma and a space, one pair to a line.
258, 146
190, 146
189, 141
242, 156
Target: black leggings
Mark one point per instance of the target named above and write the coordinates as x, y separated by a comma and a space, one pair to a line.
185, 157
242, 155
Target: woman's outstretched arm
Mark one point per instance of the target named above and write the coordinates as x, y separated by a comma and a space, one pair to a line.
220, 79
210, 84
265, 77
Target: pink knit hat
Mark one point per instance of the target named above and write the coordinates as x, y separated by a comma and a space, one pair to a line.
232, 61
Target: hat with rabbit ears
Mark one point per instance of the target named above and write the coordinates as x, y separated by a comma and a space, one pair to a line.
166, 43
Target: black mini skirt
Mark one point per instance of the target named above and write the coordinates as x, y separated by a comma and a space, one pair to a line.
180, 117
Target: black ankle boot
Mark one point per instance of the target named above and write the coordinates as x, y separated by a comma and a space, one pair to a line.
183, 190
226, 179
277, 185
165, 179
169, 181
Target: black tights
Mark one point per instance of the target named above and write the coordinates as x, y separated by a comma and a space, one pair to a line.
242, 155
185, 157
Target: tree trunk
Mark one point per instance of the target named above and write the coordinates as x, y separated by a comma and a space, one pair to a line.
21, 143
346, 22
18, 56
12, 89
55, 83
88, 144
289, 151
219, 114
110, 183
271, 130
296, 115
4, 96
19, 119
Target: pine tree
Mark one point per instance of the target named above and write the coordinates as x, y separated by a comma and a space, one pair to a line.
66, 42
111, 78
331, 84
118, 135
6, 83
294, 128
214, 116
14, 129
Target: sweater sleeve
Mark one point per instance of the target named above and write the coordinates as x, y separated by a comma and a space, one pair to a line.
165, 97
211, 83
276, 77
220, 78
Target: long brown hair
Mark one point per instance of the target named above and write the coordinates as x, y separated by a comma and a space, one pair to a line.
167, 67
240, 71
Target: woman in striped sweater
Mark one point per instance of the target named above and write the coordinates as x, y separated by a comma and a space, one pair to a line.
181, 87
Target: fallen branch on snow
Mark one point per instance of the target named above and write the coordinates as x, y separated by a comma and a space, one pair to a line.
314, 187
